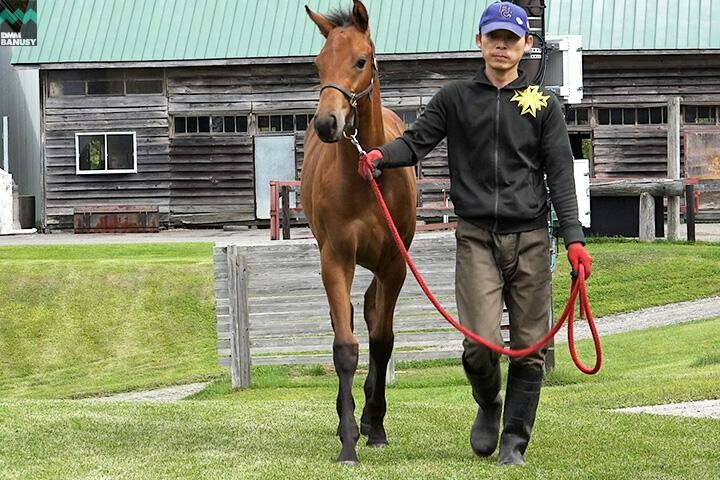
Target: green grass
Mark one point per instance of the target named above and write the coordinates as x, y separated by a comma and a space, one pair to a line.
78, 321
284, 426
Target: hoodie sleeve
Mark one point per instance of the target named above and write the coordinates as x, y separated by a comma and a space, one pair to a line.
558, 160
419, 140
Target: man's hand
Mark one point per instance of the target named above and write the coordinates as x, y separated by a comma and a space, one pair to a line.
579, 256
370, 165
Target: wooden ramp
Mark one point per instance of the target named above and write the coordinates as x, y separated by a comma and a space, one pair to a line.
288, 313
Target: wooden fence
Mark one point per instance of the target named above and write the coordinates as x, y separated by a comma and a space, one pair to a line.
272, 309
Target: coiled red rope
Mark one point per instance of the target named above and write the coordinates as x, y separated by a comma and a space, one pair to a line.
578, 288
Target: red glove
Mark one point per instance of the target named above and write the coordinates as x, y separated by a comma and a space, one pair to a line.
370, 164
579, 256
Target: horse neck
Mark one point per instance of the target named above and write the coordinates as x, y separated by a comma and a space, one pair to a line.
371, 130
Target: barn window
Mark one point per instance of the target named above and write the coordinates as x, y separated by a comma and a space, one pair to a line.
67, 88
214, 124
106, 87
106, 82
700, 114
283, 123
632, 116
114, 152
577, 116
408, 116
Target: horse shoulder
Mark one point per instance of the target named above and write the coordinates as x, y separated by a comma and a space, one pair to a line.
394, 126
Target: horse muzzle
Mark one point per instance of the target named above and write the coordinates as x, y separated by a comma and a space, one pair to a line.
327, 128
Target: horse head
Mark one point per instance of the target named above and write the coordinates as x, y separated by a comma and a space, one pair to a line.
347, 69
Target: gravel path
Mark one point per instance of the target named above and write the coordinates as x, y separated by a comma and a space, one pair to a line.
639, 320
701, 409
168, 394
649, 317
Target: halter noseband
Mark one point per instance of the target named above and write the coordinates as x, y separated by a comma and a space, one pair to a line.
353, 98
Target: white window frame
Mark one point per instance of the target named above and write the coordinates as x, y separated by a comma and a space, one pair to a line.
105, 171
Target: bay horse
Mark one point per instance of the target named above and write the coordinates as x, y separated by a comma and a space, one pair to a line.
345, 218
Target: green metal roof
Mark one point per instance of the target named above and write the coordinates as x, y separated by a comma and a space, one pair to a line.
638, 24
78, 31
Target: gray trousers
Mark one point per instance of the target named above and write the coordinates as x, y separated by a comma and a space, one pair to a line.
493, 267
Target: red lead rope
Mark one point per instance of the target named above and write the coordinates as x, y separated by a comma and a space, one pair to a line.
578, 287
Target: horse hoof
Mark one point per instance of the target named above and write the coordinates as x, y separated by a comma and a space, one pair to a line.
376, 444
348, 457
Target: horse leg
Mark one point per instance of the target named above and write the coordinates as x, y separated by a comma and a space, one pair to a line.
380, 300
337, 278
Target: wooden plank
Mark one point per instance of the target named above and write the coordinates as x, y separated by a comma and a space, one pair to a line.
240, 342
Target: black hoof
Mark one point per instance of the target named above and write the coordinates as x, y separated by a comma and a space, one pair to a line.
348, 458
376, 436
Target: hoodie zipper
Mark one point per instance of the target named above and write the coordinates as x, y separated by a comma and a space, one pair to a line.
497, 156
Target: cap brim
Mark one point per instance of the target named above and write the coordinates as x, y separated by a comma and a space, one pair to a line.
509, 26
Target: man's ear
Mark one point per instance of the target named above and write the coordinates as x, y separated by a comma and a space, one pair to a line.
478, 40
529, 42
322, 22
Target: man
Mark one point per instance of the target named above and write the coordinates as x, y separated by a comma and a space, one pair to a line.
504, 135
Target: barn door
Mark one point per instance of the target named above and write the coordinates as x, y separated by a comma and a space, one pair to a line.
274, 160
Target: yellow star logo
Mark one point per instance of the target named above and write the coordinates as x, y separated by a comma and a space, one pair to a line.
531, 100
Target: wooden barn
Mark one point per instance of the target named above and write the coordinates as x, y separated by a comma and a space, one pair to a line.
185, 110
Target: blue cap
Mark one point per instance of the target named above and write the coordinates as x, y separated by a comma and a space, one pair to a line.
504, 16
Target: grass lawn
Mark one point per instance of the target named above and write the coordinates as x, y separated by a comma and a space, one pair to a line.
284, 426
83, 320
78, 321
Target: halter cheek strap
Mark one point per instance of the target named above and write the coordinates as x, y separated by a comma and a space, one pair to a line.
353, 98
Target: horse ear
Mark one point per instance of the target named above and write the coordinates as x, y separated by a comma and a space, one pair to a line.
323, 23
362, 21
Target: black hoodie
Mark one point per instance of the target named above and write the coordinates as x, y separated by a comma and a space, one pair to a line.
501, 143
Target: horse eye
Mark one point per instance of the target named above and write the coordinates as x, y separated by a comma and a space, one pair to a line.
361, 63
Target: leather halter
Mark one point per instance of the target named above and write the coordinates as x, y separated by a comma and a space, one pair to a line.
352, 97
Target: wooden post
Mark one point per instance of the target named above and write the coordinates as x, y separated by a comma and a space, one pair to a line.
239, 322
390, 372
285, 208
647, 217
673, 167
274, 227
690, 211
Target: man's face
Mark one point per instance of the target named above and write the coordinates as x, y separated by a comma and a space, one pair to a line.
502, 49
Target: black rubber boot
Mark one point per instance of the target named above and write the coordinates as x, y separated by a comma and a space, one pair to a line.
485, 385
521, 401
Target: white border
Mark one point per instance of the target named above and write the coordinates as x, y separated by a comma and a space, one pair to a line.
105, 171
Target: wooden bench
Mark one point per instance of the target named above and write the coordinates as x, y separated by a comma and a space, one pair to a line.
116, 219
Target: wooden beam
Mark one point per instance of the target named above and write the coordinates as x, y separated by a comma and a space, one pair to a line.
627, 187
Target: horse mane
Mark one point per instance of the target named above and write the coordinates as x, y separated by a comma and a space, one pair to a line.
341, 18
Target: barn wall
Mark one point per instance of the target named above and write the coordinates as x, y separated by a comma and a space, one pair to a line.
648, 80
63, 117
208, 179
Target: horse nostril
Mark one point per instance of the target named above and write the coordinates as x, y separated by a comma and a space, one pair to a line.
327, 127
